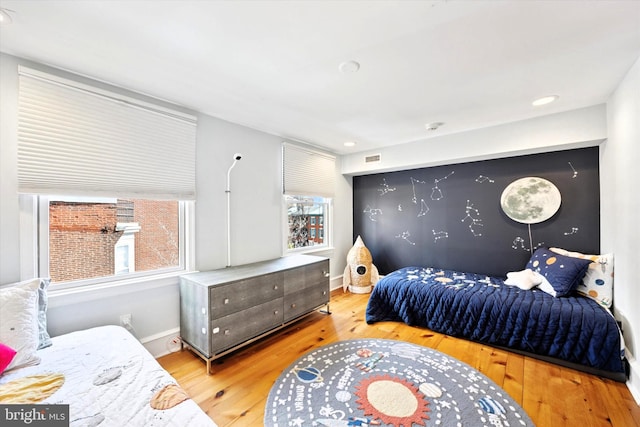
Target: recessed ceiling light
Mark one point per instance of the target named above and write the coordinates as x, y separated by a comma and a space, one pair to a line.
349, 67
350, 144
544, 100
433, 126
5, 18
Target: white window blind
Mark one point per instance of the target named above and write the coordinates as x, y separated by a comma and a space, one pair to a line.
85, 141
307, 172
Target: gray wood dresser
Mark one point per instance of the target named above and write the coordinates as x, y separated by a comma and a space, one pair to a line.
223, 310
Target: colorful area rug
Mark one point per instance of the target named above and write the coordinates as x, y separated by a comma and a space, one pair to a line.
375, 382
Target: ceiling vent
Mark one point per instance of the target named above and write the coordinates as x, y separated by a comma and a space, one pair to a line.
374, 158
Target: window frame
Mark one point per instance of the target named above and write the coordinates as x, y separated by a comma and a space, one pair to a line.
327, 227
34, 229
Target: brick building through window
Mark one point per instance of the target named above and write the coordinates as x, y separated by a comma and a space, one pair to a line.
90, 239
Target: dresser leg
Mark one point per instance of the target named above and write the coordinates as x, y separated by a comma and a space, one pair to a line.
327, 310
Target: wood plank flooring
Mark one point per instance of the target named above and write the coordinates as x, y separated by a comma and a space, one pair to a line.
236, 393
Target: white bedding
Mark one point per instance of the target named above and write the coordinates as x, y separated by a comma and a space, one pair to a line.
110, 380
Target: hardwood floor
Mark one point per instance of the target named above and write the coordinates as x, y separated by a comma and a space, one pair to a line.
236, 393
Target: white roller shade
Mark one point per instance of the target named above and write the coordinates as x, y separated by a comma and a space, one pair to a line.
307, 172
78, 140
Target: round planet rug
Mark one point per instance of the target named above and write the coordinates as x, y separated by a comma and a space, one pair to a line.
376, 382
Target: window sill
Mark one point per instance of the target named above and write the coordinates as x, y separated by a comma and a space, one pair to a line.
322, 251
80, 294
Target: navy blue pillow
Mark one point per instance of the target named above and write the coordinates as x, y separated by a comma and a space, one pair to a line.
562, 272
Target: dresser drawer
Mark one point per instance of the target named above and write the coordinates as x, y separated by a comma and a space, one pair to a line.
301, 302
225, 309
310, 276
228, 331
237, 296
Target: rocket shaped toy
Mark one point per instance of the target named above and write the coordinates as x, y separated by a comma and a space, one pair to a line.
360, 273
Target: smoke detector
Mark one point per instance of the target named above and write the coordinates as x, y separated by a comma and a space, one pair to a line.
433, 126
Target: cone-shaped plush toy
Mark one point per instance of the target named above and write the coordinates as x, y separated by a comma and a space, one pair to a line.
360, 273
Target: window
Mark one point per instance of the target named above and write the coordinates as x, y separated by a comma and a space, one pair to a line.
302, 214
93, 239
125, 164
308, 185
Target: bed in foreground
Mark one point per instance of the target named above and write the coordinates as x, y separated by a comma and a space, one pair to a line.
104, 374
108, 378
571, 330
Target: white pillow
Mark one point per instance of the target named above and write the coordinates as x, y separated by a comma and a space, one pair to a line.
597, 283
545, 286
19, 323
525, 279
43, 338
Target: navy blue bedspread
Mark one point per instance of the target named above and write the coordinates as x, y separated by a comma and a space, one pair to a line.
484, 309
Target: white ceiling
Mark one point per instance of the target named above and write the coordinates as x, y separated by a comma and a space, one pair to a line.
274, 65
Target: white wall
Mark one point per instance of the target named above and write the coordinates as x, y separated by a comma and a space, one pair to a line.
9, 212
620, 209
572, 129
255, 198
256, 233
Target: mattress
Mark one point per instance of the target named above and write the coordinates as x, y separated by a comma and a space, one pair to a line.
110, 379
574, 329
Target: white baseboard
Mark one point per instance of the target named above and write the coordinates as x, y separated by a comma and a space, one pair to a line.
162, 343
335, 283
633, 383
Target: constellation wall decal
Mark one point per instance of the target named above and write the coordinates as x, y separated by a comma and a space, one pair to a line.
474, 215
423, 208
437, 235
574, 230
575, 172
436, 192
459, 204
481, 179
385, 188
413, 187
519, 241
405, 236
372, 212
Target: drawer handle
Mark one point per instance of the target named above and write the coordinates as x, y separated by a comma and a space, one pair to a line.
226, 332
325, 273
226, 300
275, 287
324, 292
275, 312
293, 306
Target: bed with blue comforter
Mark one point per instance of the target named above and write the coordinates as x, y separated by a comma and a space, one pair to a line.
573, 330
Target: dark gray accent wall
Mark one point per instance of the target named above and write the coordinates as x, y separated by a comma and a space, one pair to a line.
450, 216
